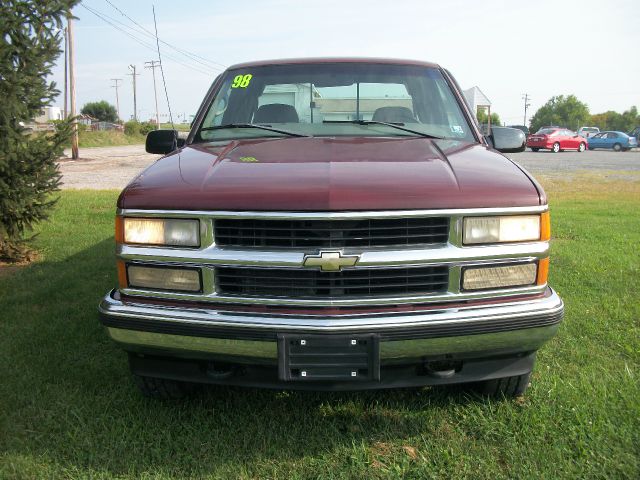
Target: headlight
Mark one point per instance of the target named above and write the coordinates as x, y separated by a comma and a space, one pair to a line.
499, 229
162, 231
161, 278
482, 278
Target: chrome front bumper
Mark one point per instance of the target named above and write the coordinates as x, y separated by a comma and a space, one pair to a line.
480, 330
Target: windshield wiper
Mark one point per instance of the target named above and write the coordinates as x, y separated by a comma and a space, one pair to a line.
253, 125
399, 126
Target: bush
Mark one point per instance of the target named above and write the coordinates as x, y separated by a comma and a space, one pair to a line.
132, 128
138, 128
146, 127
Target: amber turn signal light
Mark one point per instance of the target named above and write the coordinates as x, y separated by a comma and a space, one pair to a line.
122, 274
543, 271
119, 229
545, 226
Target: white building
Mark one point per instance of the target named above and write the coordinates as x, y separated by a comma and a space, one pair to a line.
48, 114
475, 98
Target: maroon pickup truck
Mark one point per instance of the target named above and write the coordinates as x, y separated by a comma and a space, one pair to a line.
333, 224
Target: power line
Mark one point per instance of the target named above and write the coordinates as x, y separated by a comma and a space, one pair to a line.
135, 106
153, 64
116, 80
526, 99
162, 70
194, 56
109, 21
72, 86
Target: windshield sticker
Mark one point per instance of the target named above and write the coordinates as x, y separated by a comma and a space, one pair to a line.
241, 81
248, 159
457, 129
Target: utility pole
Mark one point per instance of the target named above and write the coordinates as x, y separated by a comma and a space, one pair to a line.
72, 91
153, 64
135, 106
526, 99
66, 74
116, 80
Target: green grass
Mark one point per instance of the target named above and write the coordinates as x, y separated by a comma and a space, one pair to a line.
181, 127
68, 408
108, 139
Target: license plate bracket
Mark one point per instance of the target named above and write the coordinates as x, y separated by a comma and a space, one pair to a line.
329, 358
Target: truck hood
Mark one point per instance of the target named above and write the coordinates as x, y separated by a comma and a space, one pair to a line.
331, 174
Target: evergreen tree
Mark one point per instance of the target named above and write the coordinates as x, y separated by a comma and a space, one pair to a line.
30, 37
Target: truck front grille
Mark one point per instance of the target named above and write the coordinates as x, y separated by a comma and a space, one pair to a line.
296, 283
305, 233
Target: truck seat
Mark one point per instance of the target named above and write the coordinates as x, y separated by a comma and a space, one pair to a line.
276, 113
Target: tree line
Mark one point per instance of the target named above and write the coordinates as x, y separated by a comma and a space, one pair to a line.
568, 111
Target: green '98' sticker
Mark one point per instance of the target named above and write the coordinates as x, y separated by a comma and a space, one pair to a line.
241, 81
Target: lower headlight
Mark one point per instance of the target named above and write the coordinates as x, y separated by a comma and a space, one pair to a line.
483, 278
162, 278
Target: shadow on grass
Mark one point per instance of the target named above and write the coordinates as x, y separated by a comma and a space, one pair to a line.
69, 398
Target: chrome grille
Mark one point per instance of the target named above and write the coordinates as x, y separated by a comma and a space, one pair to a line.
297, 283
306, 233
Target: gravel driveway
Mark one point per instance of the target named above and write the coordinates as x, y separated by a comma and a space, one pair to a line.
103, 168
114, 167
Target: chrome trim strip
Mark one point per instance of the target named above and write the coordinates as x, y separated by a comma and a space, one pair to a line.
280, 215
346, 301
371, 258
549, 305
181, 343
515, 340
528, 339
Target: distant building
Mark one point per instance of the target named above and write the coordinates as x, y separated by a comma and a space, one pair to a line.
88, 120
102, 126
48, 114
475, 98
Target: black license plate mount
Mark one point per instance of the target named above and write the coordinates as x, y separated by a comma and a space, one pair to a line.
329, 358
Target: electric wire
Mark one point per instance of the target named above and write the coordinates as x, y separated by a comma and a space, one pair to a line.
142, 42
195, 57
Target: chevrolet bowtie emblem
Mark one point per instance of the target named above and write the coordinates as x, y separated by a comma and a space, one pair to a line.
330, 261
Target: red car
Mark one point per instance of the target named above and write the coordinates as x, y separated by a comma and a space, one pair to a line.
556, 140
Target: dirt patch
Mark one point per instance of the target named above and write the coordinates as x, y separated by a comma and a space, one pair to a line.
7, 269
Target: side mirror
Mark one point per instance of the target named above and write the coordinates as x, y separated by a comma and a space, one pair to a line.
163, 141
507, 140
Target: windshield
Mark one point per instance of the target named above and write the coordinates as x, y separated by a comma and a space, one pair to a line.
546, 131
334, 99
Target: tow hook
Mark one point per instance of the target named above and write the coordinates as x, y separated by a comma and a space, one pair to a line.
219, 371
442, 369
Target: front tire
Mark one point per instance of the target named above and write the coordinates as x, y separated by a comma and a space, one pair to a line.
555, 148
162, 388
505, 387
534, 149
582, 147
617, 147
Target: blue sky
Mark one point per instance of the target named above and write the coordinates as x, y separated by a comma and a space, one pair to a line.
545, 48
